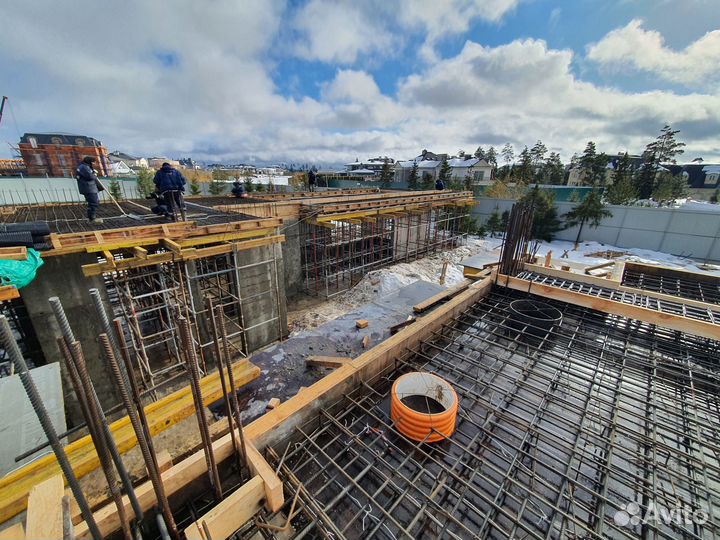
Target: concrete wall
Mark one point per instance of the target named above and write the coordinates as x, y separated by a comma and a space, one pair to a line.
690, 233
63, 277
292, 256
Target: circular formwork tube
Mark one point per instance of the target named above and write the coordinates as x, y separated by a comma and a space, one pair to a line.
536, 318
429, 410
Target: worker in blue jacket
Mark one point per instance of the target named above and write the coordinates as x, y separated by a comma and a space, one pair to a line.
170, 184
89, 186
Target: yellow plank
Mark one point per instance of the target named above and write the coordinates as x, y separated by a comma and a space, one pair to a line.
225, 237
16, 531
274, 497
8, 292
232, 512
44, 518
15, 487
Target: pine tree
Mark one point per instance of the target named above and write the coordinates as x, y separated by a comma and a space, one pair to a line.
480, 153
494, 223
507, 154
413, 179
444, 175
669, 187
145, 184
587, 162
194, 186
525, 168
427, 181
537, 153
665, 147
248, 184
553, 170
386, 175
491, 156
645, 177
591, 211
622, 189
545, 217
114, 189
218, 184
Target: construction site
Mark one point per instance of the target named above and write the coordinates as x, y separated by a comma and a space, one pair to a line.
165, 394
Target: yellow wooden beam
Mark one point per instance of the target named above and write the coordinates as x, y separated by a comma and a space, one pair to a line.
224, 237
15, 487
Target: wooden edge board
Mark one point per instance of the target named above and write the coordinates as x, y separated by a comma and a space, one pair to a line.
274, 496
279, 421
611, 283
17, 253
441, 296
44, 519
16, 531
327, 361
8, 292
666, 320
231, 513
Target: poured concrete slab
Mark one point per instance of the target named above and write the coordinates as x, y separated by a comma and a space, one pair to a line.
19, 427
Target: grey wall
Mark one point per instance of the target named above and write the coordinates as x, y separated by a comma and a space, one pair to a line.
690, 233
292, 256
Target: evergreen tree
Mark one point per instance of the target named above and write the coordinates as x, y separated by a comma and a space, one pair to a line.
537, 153
468, 182
145, 184
622, 189
553, 170
427, 181
194, 186
524, 171
665, 147
444, 174
491, 156
669, 187
413, 179
586, 162
645, 177
218, 184
114, 189
248, 184
494, 223
504, 219
480, 153
545, 217
386, 175
590, 211
507, 154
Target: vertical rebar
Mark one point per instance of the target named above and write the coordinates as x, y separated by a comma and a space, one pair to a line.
194, 376
104, 321
67, 518
146, 445
12, 350
93, 403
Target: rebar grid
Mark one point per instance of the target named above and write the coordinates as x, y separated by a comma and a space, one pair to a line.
337, 256
668, 282
555, 435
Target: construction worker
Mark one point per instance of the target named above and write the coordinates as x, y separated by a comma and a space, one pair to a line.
312, 179
89, 186
238, 189
170, 184
439, 184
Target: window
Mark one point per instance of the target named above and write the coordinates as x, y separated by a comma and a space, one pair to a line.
33, 142
62, 161
56, 140
79, 142
479, 176
39, 159
711, 179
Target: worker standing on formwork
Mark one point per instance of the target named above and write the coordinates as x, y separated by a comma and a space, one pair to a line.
170, 184
89, 186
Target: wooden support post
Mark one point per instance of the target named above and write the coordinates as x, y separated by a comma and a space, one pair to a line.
231, 514
44, 513
274, 497
548, 259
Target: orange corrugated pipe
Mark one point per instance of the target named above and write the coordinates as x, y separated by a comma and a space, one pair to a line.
423, 426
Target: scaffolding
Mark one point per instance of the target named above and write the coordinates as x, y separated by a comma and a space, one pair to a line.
578, 432
150, 300
337, 254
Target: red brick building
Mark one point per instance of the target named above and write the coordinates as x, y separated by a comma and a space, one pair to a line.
58, 154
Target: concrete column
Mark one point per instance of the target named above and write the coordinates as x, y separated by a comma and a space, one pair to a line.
62, 276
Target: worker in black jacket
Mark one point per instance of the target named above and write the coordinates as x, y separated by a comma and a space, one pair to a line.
170, 184
89, 187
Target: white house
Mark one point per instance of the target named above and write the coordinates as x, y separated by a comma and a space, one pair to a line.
120, 168
130, 161
479, 170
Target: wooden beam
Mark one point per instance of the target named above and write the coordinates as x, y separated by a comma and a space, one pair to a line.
18, 253
589, 269
442, 296
666, 320
274, 497
16, 531
8, 292
327, 361
231, 513
140, 252
44, 518
278, 423
162, 414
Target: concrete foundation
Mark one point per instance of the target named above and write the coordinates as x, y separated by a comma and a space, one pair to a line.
63, 277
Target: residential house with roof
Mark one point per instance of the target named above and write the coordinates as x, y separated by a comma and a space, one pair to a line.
479, 170
130, 161
58, 154
370, 167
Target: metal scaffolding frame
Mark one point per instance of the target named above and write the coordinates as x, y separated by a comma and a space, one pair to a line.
569, 435
337, 255
150, 300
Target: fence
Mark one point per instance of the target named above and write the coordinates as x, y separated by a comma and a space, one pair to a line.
682, 232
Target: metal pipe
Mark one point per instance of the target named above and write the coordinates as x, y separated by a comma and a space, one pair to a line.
12, 350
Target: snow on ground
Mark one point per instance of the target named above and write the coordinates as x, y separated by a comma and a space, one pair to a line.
380, 283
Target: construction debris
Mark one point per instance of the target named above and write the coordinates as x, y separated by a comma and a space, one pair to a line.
361, 324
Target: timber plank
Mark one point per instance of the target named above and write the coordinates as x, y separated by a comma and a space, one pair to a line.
44, 518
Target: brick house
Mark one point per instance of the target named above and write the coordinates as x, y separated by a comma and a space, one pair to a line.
58, 154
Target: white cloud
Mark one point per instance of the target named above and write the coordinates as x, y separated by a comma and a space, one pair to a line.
645, 50
217, 100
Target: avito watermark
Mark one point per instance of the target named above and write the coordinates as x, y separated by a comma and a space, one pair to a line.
631, 514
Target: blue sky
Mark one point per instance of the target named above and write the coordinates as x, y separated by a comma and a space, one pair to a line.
327, 81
